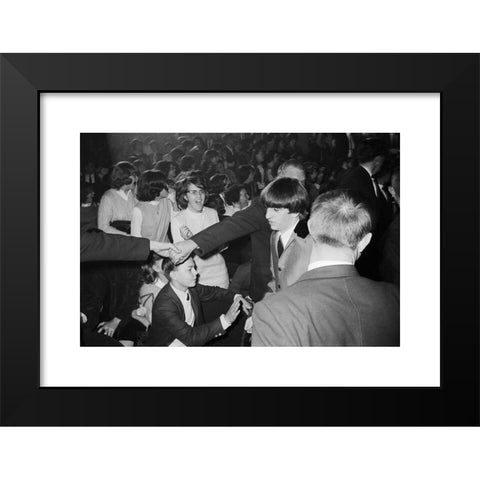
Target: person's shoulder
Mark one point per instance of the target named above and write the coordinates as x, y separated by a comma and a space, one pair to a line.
278, 299
352, 175
109, 193
210, 212
166, 291
375, 287
179, 217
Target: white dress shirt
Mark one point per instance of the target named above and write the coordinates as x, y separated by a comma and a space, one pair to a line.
285, 236
327, 263
186, 300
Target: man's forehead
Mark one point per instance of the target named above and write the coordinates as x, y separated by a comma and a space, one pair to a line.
186, 264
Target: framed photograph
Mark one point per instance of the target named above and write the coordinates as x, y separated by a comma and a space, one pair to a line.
62, 112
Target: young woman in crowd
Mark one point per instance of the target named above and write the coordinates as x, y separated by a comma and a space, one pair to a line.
151, 215
116, 205
193, 218
153, 280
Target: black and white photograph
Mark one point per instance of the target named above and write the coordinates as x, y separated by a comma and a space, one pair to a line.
240, 239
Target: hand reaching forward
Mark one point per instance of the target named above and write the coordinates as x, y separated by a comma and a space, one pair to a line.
246, 303
185, 248
164, 249
234, 310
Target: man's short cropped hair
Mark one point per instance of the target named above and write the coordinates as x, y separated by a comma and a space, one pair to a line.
286, 192
339, 220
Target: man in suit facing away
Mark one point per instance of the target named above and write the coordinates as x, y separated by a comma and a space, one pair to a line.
331, 304
362, 182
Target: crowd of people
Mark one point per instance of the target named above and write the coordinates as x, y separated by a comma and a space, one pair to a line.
240, 240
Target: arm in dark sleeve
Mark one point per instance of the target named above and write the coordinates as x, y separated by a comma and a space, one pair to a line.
207, 293
240, 224
166, 315
99, 246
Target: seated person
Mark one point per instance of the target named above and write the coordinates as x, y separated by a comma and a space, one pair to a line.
88, 209
153, 282
177, 310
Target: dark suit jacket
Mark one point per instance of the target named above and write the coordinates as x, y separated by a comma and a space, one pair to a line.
250, 221
329, 306
358, 181
168, 317
100, 246
390, 253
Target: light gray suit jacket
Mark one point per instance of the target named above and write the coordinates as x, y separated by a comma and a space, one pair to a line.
329, 306
292, 264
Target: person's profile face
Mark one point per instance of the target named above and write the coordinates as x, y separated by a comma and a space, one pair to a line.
185, 274
244, 198
280, 219
260, 156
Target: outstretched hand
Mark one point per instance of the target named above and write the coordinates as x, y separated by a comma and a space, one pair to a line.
184, 250
234, 310
164, 249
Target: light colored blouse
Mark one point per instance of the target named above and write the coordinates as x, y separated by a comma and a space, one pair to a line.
115, 205
212, 269
152, 219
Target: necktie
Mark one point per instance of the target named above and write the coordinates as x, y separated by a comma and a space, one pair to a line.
188, 297
280, 246
376, 186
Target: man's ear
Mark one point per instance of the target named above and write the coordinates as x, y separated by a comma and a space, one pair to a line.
362, 244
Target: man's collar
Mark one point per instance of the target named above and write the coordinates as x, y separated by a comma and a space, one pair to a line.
327, 263
367, 169
180, 294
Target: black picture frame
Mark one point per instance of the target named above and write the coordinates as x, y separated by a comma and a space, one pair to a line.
24, 76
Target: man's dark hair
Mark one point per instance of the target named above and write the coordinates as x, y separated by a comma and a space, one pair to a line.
168, 266
285, 192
